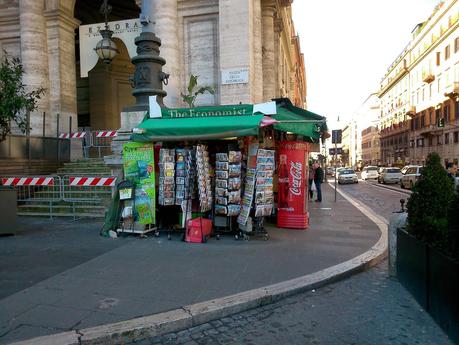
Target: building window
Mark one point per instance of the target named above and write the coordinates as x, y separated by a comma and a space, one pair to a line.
423, 119
446, 113
456, 137
438, 139
430, 141
456, 109
446, 138
437, 116
438, 58
447, 52
430, 117
456, 45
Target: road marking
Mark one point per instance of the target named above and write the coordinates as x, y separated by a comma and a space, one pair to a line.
404, 192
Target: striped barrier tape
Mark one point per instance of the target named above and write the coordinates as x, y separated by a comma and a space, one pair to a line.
106, 134
93, 181
28, 181
77, 135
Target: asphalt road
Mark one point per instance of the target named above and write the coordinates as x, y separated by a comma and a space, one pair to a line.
367, 309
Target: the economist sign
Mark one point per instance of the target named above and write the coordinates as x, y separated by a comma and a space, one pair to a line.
292, 189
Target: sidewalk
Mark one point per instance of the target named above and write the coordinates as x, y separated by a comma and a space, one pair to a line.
129, 277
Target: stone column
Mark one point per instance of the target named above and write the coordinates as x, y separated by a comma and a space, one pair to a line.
165, 17
34, 56
269, 78
235, 48
62, 70
279, 62
257, 84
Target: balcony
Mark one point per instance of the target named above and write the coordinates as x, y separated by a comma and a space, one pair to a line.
452, 91
428, 77
431, 130
411, 112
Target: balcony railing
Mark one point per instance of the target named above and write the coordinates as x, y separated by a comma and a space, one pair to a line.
452, 91
428, 77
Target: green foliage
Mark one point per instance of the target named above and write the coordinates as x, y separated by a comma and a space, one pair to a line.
15, 101
190, 97
429, 206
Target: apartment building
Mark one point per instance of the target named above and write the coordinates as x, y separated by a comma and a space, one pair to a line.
370, 146
419, 93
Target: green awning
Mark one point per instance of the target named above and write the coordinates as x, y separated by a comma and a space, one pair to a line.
299, 121
197, 128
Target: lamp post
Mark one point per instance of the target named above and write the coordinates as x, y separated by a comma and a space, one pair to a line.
148, 78
106, 49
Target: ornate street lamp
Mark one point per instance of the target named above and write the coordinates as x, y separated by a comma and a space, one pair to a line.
106, 49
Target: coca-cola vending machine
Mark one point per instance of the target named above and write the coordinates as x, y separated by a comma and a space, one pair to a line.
292, 201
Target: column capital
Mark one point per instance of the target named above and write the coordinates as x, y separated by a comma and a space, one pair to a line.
268, 10
61, 18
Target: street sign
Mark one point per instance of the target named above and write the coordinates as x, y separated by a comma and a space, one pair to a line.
339, 151
337, 136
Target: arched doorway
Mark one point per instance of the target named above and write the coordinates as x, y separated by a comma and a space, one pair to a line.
106, 90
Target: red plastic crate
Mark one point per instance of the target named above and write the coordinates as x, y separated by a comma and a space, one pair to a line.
198, 230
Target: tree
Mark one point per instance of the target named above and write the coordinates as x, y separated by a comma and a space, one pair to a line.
430, 203
15, 101
190, 97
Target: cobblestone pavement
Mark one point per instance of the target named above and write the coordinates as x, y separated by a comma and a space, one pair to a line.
367, 309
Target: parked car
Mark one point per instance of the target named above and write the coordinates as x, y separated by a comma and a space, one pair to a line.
370, 172
410, 177
347, 176
338, 170
330, 171
390, 175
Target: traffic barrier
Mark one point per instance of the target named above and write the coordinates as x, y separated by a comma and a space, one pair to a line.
84, 188
76, 135
106, 134
36, 194
28, 181
92, 181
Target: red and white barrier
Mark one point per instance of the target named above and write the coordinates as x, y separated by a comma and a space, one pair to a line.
106, 134
28, 181
93, 181
77, 135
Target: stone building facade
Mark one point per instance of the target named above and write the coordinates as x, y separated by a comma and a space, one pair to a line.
209, 38
370, 146
419, 94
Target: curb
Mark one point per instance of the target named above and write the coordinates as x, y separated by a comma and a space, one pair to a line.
192, 315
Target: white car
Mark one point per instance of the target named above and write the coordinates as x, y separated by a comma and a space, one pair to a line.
338, 170
347, 176
370, 172
410, 177
390, 175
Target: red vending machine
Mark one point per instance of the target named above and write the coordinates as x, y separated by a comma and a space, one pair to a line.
292, 200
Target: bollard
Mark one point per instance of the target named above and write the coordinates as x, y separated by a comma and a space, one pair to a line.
398, 220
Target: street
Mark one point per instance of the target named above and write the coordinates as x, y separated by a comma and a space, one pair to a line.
368, 308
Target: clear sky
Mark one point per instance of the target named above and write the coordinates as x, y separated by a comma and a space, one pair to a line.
348, 46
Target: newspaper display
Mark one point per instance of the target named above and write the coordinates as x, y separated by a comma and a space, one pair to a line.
204, 184
228, 183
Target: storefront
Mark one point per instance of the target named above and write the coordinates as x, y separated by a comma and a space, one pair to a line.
227, 167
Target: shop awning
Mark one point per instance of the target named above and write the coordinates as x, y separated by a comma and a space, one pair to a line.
299, 121
197, 128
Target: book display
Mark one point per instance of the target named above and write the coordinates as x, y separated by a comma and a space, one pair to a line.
204, 183
166, 193
264, 195
228, 183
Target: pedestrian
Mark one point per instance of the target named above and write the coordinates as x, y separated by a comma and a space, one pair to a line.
318, 179
311, 182
452, 171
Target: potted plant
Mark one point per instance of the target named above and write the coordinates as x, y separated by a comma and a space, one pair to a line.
427, 251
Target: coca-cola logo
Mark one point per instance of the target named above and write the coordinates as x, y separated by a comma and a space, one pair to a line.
296, 170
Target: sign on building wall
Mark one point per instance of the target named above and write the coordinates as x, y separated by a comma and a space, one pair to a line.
235, 76
125, 30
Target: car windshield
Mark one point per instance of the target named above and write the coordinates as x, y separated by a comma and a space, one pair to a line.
347, 172
393, 170
372, 169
